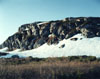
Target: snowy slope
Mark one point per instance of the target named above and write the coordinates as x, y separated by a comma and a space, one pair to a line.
86, 46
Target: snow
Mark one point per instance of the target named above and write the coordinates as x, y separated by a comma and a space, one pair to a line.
27, 29
3, 50
51, 35
84, 46
41, 23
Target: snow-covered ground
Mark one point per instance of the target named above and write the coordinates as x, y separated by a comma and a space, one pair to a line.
86, 46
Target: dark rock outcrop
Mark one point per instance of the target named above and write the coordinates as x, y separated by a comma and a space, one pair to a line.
74, 39
62, 46
15, 56
30, 36
3, 54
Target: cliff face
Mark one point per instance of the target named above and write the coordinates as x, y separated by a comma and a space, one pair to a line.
30, 36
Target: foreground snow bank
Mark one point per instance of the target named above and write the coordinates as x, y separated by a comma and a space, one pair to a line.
83, 46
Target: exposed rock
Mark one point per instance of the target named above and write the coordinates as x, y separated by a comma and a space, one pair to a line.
98, 34
87, 33
1, 46
15, 56
3, 54
74, 39
39, 42
81, 38
52, 39
62, 46
71, 33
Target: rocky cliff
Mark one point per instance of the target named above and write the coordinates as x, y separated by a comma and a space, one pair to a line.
33, 35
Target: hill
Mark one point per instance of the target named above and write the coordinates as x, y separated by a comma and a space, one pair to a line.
70, 36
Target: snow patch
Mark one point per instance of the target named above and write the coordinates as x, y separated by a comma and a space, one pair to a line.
4, 49
41, 23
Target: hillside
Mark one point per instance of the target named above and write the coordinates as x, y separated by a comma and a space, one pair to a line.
67, 37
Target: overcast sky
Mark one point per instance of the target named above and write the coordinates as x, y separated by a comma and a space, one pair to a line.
14, 13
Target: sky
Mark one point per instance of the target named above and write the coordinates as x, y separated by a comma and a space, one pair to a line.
14, 13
